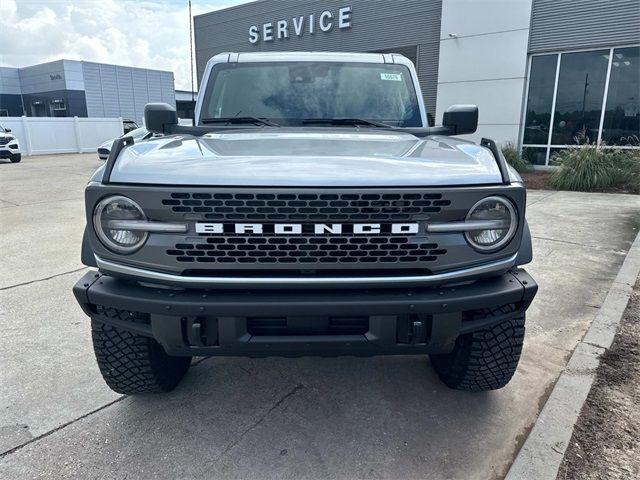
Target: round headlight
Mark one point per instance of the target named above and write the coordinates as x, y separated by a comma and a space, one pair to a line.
497, 211
105, 219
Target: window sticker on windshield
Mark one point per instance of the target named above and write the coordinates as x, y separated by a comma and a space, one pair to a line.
394, 77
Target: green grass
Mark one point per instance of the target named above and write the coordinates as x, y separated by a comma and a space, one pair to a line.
515, 158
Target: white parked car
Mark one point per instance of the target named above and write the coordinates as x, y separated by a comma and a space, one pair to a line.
9, 145
138, 134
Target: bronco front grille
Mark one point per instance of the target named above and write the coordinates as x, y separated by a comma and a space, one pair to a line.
368, 231
308, 250
4, 141
307, 206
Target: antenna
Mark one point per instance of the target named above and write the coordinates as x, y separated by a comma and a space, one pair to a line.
191, 52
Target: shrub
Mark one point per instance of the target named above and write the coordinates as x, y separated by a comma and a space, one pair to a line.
587, 169
628, 171
515, 159
593, 169
631, 141
629, 165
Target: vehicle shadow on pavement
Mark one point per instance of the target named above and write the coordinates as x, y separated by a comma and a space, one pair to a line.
300, 418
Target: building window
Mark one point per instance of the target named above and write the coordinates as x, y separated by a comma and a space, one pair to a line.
579, 96
621, 115
593, 93
540, 103
535, 155
58, 108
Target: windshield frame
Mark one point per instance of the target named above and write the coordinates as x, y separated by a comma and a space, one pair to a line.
411, 82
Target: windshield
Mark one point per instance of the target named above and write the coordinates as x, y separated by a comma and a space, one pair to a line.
290, 92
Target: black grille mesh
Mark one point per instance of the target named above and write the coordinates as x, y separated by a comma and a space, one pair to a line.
307, 250
307, 206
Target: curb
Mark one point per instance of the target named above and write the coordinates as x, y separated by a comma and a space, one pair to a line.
542, 453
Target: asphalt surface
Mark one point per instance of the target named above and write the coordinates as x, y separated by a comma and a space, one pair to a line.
342, 418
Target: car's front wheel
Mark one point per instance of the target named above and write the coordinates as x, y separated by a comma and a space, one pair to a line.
132, 363
483, 360
16, 157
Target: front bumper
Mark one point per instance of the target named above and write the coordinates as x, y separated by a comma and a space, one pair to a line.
288, 322
9, 153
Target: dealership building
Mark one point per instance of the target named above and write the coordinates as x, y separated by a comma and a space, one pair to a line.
68, 88
540, 71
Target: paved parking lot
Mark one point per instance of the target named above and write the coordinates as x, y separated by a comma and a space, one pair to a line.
383, 417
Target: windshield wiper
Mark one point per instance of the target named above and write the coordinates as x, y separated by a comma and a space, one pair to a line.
239, 121
344, 121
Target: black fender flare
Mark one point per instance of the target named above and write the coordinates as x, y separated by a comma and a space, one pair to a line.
86, 254
525, 253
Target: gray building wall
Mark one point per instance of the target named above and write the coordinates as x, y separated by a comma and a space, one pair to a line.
376, 25
10, 96
88, 88
580, 24
59, 81
45, 77
9, 81
115, 91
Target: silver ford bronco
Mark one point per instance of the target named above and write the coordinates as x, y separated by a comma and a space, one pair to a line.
311, 210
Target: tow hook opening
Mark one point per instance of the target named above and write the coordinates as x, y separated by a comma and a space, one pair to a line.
200, 331
413, 329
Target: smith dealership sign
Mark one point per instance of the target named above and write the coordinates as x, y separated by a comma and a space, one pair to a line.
298, 26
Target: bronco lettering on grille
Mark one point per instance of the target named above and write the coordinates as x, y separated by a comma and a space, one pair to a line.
308, 228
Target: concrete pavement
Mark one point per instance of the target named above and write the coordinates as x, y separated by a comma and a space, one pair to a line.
384, 417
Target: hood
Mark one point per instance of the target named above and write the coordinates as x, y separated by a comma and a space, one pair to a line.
306, 157
107, 144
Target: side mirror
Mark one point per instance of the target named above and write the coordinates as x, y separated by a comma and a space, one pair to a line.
461, 119
7, 130
159, 117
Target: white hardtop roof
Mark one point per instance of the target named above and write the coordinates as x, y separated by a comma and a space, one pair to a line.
311, 57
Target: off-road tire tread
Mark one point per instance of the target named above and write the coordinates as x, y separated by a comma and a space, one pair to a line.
483, 360
131, 363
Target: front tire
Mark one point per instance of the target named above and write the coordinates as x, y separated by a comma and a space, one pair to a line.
131, 363
483, 360
16, 157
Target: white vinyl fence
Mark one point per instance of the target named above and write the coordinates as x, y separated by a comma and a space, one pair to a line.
41, 135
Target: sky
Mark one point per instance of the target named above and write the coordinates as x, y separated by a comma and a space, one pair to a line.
139, 33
